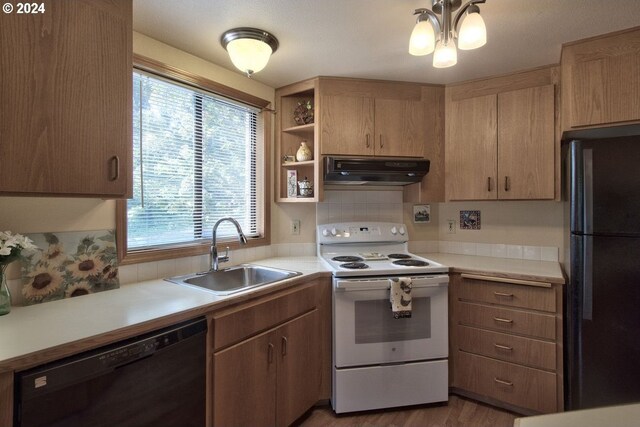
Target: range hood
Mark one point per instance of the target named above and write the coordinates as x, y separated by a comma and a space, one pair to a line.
374, 170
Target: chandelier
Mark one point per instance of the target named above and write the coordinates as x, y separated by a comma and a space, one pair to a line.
472, 33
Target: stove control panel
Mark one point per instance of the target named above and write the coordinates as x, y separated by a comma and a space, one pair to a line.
356, 232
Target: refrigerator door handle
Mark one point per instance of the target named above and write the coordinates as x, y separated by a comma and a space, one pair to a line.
587, 157
587, 289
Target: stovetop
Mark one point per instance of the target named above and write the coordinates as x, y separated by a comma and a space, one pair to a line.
370, 249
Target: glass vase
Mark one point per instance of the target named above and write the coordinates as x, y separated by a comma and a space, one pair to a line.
5, 296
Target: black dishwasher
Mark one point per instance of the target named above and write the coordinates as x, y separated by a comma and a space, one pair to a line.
156, 379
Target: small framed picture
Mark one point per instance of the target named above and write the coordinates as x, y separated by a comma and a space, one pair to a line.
288, 159
422, 214
292, 183
470, 220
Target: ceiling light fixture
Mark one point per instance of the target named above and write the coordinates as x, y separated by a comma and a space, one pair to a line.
472, 33
249, 48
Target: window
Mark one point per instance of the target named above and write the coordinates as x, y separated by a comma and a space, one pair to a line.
197, 158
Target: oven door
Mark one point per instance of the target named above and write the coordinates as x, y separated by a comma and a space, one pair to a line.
366, 333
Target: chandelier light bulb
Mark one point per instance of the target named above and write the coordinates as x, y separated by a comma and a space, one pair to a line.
445, 54
423, 39
473, 32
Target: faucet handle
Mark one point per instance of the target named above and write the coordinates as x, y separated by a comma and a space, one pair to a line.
225, 257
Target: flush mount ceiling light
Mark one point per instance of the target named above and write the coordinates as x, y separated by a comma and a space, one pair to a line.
472, 33
249, 48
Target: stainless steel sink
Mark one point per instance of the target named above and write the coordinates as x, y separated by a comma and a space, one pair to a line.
234, 279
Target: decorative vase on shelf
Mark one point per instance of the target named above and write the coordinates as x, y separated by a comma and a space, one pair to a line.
304, 152
5, 295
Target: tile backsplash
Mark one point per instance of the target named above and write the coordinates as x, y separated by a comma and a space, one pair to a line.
498, 250
360, 205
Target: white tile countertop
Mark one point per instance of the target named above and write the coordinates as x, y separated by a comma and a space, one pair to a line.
520, 268
56, 326
32, 329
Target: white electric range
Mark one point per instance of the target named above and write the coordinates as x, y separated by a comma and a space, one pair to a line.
380, 361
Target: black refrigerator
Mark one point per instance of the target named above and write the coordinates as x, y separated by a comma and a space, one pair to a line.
602, 311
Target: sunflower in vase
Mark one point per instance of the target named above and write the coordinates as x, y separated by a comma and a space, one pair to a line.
11, 247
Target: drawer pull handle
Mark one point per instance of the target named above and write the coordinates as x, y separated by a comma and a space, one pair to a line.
503, 294
501, 320
489, 183
368, 143
503, 347
285, 341
503, 382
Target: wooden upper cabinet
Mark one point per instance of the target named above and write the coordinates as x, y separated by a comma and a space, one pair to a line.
373, 118
65, 99
526, 143
500, 138
399, 128
471, 149
601, 80
347, 125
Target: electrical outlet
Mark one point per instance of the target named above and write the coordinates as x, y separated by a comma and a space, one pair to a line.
295, 226
451, 228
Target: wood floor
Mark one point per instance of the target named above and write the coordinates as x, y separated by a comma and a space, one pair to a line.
459, 412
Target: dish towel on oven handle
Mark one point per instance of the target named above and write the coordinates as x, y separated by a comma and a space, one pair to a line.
400, 297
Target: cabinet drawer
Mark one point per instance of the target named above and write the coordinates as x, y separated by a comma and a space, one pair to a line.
510, 348
235, 324
514, 384
536, 298
507, 320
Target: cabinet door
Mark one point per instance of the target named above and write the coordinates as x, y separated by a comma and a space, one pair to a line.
399, 128
526, 149
65, 99
346, 125
471, 149
299, 367
606, 90
244, 383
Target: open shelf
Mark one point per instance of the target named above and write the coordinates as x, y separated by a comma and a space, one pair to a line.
289, 135
300, 128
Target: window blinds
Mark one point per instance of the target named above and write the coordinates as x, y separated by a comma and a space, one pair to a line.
194, 162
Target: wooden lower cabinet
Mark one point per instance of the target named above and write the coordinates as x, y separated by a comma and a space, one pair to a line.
506, 341
514, 384
271, 357
245, 383
270, 379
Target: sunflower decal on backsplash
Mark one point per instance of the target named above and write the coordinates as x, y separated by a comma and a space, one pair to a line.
68, 265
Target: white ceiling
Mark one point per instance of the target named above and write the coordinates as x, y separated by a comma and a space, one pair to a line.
369, 38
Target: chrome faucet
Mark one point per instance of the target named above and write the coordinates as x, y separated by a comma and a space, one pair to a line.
214, 259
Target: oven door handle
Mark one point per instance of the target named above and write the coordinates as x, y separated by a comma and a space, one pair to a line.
382, 284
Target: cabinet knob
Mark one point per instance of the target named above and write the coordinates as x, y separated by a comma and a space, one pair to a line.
114, 168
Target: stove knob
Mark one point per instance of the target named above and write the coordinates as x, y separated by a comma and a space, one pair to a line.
394, 230
334, 232
402, 230
325, 232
